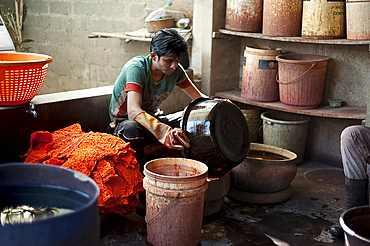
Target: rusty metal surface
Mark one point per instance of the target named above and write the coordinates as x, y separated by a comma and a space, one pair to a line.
245, 15
282, 17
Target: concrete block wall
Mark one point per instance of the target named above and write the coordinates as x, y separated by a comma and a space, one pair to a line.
61, 29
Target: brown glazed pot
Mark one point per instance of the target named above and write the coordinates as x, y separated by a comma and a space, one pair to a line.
264, 175
218, 134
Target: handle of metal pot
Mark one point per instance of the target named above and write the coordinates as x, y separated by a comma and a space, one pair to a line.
258, 128
277, 76
173, 199
265, 123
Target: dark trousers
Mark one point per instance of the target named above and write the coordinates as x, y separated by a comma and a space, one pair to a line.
138, 136
355, 150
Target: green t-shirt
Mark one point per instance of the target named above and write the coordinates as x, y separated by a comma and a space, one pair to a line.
136, 76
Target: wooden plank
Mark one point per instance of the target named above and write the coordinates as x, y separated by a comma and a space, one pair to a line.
139, 35
295, 39
118, 35
344, 112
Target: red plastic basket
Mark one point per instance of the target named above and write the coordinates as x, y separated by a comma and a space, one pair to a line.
21, 76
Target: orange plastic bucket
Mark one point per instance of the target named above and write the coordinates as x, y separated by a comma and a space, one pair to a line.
301, 79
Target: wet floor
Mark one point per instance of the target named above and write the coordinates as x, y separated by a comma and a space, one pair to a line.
317, 201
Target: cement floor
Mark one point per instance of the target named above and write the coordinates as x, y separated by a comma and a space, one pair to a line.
317, 201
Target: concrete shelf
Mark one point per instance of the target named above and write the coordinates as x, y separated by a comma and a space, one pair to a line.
324, 110
343, 112
295, 39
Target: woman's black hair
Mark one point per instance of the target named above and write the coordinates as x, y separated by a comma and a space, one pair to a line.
166, 42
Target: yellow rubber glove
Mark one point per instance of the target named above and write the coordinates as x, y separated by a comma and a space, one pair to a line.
171, 138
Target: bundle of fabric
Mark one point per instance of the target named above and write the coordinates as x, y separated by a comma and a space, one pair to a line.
105, 158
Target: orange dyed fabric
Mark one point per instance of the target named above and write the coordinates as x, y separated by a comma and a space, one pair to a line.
105, 158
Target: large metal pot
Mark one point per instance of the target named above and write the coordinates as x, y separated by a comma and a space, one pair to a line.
260, 172
218, 133
40, 185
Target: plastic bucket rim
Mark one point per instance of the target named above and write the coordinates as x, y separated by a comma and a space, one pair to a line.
171, 192
200, 176
262, 50
43, 59
74, 172
296, 122
347, 229
284, 58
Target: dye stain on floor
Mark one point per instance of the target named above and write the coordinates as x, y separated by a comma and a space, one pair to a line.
317, 201
239, 224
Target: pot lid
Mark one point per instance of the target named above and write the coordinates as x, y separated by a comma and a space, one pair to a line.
229, 129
